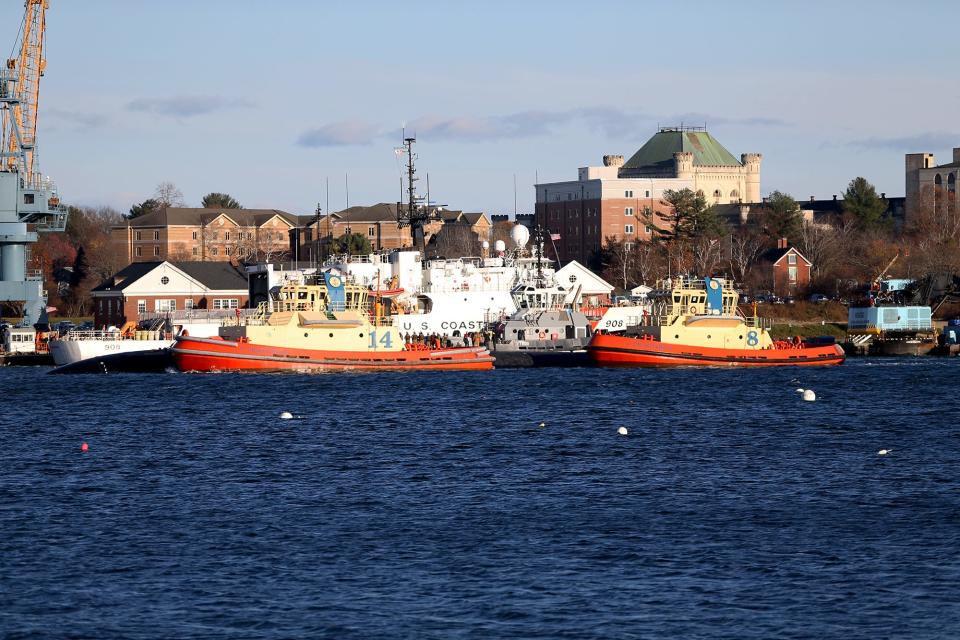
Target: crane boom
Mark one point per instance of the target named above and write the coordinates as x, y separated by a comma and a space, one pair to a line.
26, 70
29, 203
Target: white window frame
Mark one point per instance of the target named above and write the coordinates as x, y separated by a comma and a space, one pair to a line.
141, 306
628, 194
188, 304
628, 212
163, 305
628, 228
226, 303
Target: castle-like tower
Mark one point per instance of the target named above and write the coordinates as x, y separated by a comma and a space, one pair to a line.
751, 173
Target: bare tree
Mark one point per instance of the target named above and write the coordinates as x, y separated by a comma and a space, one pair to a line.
747, 244
822, 245
455, 240
933, 232
168, 195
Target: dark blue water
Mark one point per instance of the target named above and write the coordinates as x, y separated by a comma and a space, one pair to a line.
434, 506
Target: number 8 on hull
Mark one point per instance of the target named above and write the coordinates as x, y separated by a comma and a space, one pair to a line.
697, 323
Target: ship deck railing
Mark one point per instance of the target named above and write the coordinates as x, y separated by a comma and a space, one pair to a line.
94, 334
198, 316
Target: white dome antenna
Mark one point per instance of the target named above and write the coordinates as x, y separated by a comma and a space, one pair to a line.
520, 235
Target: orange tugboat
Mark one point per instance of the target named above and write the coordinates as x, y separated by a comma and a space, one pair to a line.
316, 327
696, 322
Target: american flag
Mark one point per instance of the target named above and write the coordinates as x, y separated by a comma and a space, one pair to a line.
554, 236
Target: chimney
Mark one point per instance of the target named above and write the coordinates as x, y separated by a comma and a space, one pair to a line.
834, 197
782, 243
956, 154
813, 198
883, 195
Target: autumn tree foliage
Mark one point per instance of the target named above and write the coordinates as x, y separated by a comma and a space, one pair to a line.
74, 262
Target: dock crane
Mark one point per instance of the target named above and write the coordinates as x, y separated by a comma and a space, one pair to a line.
29, 203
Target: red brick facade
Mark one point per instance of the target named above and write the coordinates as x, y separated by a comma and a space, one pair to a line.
584, 225
791, 272
116, 309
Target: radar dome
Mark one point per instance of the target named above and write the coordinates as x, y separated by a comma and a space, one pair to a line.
500, 245
520, 234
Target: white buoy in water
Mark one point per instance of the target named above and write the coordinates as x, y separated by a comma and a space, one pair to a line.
623, 431
809, 395
884, 452
286, 415
542, 425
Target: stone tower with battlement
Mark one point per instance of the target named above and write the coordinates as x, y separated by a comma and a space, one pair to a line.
683, 165
751, 170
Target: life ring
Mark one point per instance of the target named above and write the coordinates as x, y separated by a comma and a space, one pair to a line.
692, 310
543, 335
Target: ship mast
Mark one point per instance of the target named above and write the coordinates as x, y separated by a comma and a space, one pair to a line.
417, 211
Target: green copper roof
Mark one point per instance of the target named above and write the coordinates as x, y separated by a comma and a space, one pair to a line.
657, 154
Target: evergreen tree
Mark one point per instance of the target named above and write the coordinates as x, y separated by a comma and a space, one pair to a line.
147, 206
781, 217
353, 243
216, 200
865, 206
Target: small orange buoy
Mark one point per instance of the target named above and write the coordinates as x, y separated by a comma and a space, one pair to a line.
84, 447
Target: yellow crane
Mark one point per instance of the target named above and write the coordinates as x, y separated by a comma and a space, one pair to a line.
24, 72
29, 203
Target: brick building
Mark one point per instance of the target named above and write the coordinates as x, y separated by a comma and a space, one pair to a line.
379, 224
789, 270
180, 234
610, 201
158, 287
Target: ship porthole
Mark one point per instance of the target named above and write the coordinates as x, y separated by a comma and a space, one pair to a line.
305, 335
741, 338
331, 335
361, 335
677, 337
709, 336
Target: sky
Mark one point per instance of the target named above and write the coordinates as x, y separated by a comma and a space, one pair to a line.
294, 104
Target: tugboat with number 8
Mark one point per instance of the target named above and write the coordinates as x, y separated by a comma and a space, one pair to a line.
697, 322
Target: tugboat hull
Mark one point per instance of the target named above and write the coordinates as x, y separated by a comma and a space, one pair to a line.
216, 354
608, 350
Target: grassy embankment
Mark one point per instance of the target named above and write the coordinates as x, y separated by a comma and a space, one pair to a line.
803, 319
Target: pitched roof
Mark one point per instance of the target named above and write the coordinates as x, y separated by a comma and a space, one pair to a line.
657, 153
127, 276
218, 276
198, 216
777, 254
214, 275
474, 217
380, 212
